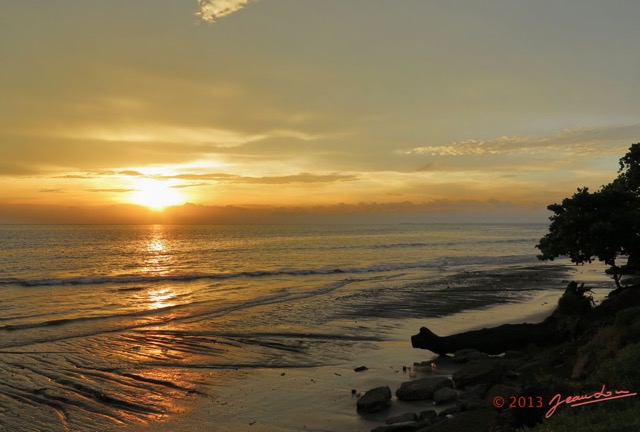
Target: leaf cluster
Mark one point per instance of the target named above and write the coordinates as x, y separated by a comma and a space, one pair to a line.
599, 225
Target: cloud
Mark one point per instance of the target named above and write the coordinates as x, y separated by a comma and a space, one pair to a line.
601, 141
297, 178
212, 10
114, 190
76, 176
167, 134
238, 179
184, 186
10, 169
366, 212
52, 191
190, 176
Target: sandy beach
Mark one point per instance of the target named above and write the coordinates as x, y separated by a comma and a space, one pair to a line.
320, 399
250, 344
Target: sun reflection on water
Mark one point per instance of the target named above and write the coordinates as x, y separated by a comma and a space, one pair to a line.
158, 259
161, 298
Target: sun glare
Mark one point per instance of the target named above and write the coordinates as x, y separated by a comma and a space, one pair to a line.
155, 194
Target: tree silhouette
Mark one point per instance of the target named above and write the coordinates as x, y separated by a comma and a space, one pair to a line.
603, 225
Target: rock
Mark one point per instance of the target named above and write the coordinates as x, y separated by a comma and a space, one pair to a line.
478, 390
467, 355
422, 389
476, 421
529, 370
515, 354
444, 395
375, 400
427, 415
361, 369
450, 410
424, 366
482, 371
399, 427
504, 391
471, 401
406, 417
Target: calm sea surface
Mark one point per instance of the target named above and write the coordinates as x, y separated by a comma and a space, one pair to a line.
94, 318
54, 273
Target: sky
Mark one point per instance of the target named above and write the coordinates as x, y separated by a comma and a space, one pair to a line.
297, 111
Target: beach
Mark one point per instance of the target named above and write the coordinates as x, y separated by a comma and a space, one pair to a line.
132, 339
320, 399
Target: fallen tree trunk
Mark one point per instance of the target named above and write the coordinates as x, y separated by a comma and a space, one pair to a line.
562, 323
494, 340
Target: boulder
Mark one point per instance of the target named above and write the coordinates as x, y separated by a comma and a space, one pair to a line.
422, 389
476, 421
444, 395
467, 355
427, 415
515, 354
375, 400
450, 411
482, 371
399, 427
470, 401
504, 391
406, 417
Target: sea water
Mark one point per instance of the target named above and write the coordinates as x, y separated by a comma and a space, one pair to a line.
104, 325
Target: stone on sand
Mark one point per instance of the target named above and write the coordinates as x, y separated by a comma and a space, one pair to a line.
481, 371
406, 417
375, 400
422, 389
444, 395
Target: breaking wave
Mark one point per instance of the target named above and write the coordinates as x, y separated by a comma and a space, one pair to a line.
438, 264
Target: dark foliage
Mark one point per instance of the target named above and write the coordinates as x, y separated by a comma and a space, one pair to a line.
603, 225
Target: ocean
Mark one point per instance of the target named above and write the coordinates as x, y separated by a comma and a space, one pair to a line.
102, 326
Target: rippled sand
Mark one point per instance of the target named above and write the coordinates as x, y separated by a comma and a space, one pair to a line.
198, 363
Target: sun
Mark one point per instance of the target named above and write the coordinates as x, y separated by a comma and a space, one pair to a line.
155, 194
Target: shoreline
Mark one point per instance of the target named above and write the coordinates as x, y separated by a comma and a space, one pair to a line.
320, 398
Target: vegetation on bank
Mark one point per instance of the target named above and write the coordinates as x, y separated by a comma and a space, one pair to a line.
603, 225
579, 368
606, 356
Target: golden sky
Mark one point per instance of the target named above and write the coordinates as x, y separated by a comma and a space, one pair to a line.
204, 111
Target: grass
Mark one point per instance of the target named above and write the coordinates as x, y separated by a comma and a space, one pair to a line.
615, 353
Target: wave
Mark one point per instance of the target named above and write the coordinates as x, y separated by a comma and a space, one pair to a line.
413, 245
438, 264
65, 321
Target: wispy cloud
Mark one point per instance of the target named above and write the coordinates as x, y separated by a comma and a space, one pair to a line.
131, 173
113, 190
603, 141
286, 179
184, 186
212, 10
219, 177
297, 178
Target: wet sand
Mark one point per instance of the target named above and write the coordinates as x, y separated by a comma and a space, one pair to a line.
200, 368
320, 398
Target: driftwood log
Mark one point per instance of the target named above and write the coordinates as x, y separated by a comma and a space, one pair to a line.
564, 322
494, 340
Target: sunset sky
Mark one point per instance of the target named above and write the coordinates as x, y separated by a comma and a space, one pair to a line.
192, 111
